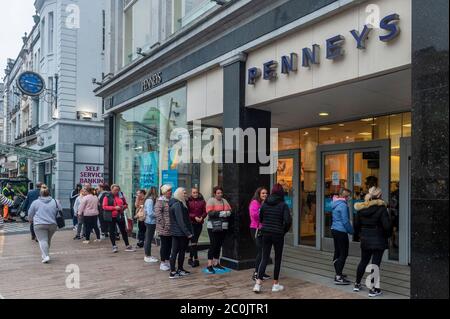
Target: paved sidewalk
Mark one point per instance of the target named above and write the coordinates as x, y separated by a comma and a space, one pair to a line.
124, 275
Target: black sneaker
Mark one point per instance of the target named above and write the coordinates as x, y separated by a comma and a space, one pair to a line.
174, 275
77, 238
211, 270
195, 264
218, 266
183, 272
357, 287
338, 280
375, 292
190, 262
266, 277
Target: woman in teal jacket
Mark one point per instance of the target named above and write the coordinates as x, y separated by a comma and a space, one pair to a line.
340, 229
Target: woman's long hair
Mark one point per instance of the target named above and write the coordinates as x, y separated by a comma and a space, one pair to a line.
257, 195
151, 194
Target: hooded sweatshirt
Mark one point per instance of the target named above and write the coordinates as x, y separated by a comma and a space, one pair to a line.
43, 211
341, 221
275, 216
373, 225
197, 208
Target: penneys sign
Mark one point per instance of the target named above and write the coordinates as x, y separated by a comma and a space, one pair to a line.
334, 50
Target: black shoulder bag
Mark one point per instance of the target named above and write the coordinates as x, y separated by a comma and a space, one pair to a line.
60, 221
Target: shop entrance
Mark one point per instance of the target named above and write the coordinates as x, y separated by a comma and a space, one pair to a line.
356, 166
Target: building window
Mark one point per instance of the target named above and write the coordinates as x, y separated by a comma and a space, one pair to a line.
184, 12
50, 103
43, 32
137, 28
50, 32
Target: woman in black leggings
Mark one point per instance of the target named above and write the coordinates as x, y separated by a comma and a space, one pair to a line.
276, 221
373, 226
219, 212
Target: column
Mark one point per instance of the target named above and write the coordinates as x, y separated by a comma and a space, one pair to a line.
429, 177
240, 180
109, 149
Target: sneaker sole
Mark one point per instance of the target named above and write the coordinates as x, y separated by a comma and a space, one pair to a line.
375, 295
341, 284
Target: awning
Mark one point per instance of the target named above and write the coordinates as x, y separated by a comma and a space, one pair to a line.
23, 152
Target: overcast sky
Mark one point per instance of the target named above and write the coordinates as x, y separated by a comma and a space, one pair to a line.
16, 19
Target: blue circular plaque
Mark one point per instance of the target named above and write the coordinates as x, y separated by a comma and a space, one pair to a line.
30, 83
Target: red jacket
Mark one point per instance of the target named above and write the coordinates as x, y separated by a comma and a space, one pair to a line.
118, 201
197, 208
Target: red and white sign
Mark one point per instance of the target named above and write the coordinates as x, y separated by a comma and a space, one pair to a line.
88, 173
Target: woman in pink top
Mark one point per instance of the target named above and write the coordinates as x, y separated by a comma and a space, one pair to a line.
89, 210
256, 203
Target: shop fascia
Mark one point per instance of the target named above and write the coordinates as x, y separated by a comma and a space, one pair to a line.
334, 50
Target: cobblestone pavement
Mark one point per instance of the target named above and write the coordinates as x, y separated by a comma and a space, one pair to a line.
125, 275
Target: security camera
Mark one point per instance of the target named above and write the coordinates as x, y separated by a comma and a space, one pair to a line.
220, 2
95, 82
140, 52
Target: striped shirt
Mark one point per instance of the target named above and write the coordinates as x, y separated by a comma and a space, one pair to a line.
5, 201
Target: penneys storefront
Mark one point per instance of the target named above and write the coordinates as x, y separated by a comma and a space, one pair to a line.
344, 84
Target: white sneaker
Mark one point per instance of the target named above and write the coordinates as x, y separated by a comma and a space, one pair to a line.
150, 260
86, 242
277, 288
97, 240
46, 259
257, 289
164, 267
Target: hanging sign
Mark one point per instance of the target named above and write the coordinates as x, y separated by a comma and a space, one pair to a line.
31, 83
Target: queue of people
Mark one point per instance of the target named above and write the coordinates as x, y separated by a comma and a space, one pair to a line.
372, 226
178, 221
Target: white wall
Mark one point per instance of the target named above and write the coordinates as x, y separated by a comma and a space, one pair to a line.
377, 57
205, 95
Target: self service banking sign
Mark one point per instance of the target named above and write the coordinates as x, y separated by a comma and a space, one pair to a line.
333, 46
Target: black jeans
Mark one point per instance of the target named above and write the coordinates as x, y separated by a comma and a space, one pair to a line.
216, 241
376, 255
90, 223
149, 235
179, 246
103, 224
112, 231
269, 240
194, 240
341, 245
166, 247
141, 233
258, 244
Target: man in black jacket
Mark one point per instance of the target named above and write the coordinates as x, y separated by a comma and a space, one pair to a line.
373, 225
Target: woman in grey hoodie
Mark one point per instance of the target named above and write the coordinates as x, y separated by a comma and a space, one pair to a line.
43, 215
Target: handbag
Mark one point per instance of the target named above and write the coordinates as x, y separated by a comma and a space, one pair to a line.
60, 221
140, 214
216, 225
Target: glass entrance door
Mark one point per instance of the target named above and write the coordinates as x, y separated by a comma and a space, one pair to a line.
357, 167
288, 176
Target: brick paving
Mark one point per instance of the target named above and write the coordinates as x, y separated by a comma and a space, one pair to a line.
104, 275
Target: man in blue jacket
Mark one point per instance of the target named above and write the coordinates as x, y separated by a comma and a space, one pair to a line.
340, 229
31, 197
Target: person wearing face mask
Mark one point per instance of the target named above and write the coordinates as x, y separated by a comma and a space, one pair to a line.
260, 196
340, 229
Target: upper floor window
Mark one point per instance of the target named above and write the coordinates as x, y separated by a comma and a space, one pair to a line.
137, 28
184, 12
50, 32
43, 32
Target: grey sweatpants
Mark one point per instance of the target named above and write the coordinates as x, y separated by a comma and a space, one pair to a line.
44, 234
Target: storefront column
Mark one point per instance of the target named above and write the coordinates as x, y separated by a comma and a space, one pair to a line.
109, 149
240, 180
429, 177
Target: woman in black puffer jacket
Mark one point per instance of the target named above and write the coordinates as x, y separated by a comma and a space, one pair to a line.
373, 226
276, 220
